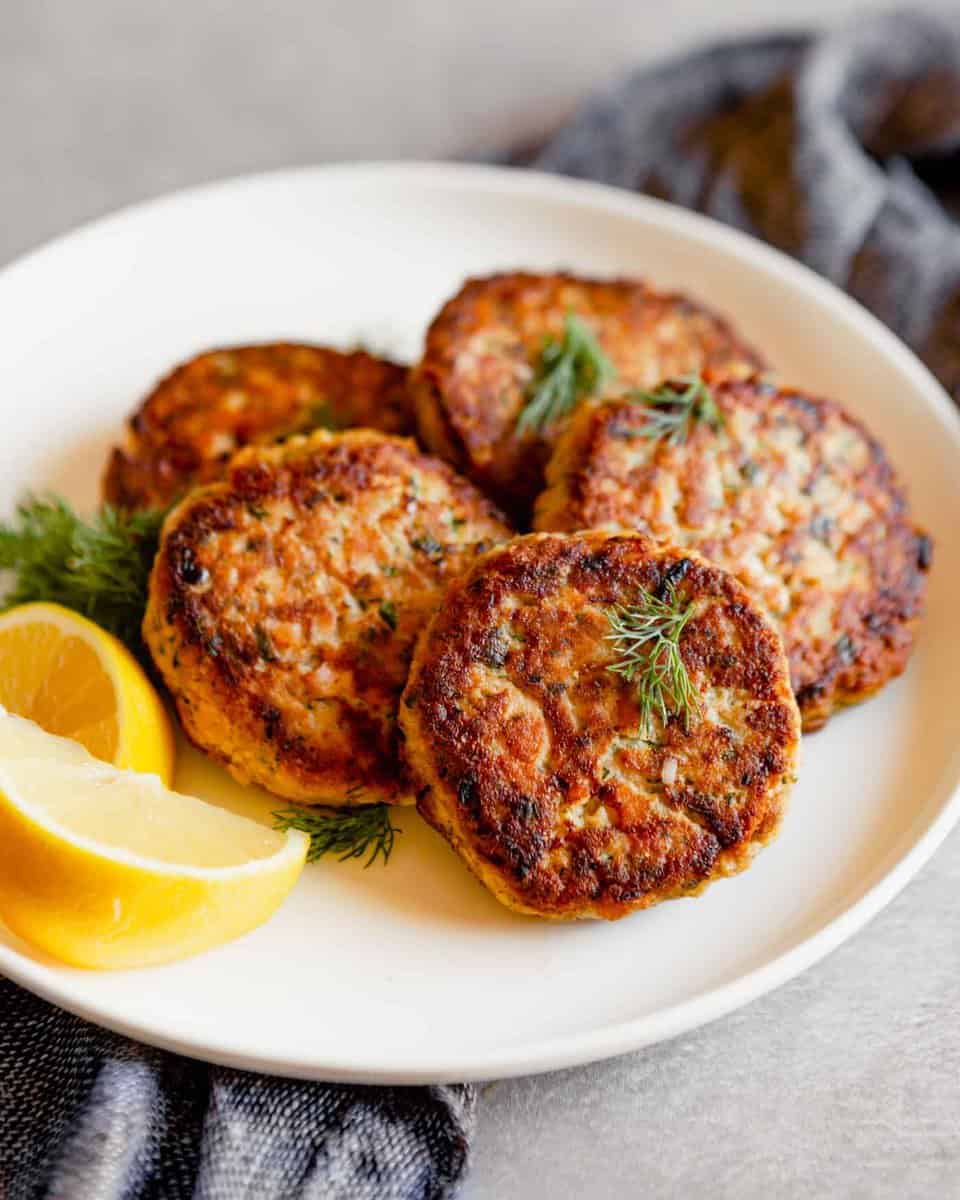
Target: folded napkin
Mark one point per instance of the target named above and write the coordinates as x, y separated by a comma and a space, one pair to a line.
843, 150
88, 1115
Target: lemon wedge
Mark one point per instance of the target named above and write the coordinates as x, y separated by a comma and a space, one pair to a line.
76, 680
101, 867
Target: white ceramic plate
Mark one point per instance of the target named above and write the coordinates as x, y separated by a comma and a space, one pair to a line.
413, 972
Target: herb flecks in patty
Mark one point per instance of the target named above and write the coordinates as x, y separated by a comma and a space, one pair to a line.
429, 546
264, 645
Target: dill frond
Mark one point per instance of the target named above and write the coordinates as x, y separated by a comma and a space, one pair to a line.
568, 370
646, 635
98, 567
364, 830
675, 407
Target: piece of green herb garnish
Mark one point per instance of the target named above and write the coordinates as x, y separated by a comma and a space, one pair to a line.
675, 407
646, 635
568, 371
98, 567
364, 830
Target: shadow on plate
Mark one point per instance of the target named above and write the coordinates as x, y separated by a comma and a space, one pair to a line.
424, 877
75, 472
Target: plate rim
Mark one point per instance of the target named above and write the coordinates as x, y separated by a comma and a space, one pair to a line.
907, 857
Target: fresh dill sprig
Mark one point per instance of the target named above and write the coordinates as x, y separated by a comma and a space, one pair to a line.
674, 408
646, 635
99, 567
363, 830
567, 371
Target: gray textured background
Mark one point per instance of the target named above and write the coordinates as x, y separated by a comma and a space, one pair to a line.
847, 1081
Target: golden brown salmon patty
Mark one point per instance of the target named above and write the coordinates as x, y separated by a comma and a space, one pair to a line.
186, 430
789, 493
533, 757
485, 348
285, 600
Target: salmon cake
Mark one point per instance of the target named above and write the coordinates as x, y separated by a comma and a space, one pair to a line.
285, 601
185, 431
597, 722
788, 492
510, 356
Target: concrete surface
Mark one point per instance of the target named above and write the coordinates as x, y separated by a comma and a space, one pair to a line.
844, 1083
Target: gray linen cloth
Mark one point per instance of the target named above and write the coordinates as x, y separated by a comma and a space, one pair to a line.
842, 149
88, 1115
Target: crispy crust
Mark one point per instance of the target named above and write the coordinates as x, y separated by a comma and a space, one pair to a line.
794, 496
524, 748
482, 347
285, 601
185, 431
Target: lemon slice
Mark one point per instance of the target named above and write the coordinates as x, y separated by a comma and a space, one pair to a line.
76, 680
107, 868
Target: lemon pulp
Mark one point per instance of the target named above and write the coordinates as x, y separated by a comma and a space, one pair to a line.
76, 680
